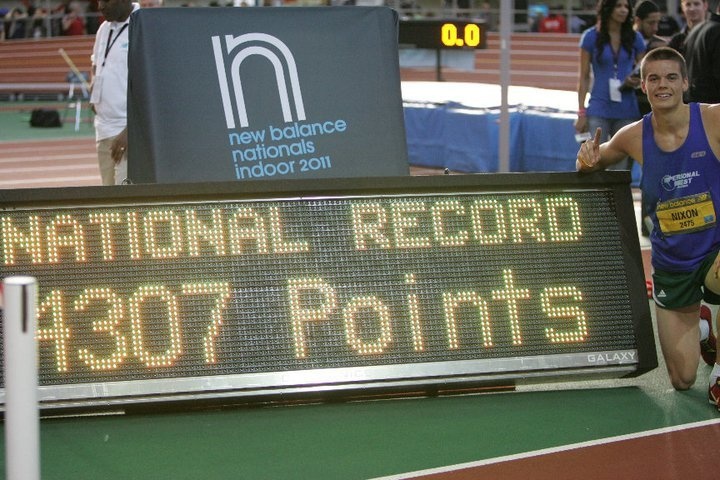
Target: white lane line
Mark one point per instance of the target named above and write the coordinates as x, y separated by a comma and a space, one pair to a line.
546, 451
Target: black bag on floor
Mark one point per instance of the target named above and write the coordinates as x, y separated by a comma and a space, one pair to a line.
45, 118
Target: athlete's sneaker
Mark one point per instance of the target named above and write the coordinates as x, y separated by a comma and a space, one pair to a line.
707, 346
714, 393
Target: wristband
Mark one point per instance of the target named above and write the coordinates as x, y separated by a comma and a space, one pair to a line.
581, 112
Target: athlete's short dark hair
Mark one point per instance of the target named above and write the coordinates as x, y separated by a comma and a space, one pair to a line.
664, 53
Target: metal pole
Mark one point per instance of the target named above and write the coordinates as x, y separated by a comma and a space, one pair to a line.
22, 421
506, 21
438, 65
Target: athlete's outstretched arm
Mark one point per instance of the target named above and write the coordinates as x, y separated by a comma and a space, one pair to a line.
593, 155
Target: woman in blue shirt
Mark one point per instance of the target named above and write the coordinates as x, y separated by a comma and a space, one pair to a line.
610, 51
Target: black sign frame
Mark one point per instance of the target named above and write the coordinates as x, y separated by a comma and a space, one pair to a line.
408, 374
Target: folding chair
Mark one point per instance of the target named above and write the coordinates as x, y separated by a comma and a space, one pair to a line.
76, 82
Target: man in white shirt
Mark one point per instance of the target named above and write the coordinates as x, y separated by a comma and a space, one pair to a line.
109, 89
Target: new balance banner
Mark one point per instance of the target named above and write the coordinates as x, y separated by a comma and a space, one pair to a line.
264, 94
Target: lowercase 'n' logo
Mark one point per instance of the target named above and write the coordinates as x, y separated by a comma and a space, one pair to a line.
255, 44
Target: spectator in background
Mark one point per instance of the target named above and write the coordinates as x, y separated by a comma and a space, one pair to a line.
553, 23
489, 16
534, 19
668, 26
109, 89
39, 28
577, 24
151, 3
16, 22
24, 21
694, 12
609, 51
73, 22
56, 15
647, 22
93, 18
462, 5
702, 54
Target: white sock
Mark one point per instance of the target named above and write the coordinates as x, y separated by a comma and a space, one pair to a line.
714, 374
704, 330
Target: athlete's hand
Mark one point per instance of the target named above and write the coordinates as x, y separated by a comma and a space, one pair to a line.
589, 154
632, 81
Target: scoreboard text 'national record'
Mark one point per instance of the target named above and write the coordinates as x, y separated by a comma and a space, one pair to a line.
153, 293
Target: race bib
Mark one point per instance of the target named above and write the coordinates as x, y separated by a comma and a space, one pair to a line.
686, 214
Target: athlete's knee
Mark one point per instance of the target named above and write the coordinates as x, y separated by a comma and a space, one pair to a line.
682, 382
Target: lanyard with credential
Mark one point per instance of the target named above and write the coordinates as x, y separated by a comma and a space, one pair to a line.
111, 41
616, 58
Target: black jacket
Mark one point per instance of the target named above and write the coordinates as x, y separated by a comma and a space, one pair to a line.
702, 54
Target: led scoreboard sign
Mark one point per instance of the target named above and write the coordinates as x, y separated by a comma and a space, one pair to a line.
217, 292
437, 34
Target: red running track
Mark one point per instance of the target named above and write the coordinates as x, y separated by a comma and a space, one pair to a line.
48, 163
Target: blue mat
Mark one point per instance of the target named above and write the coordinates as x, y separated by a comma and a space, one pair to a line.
465, 139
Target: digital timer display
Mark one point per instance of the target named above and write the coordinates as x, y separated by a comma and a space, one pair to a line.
442, 34
151, 293
470, 36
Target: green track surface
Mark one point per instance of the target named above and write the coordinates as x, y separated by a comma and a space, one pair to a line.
15, 121
351, 440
